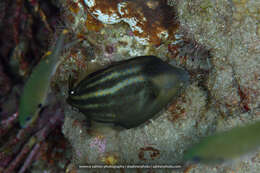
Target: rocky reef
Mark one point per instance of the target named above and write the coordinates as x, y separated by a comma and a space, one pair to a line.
224, 89
216, 42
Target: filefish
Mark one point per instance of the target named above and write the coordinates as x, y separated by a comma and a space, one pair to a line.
226, 145
36, 88
128, 93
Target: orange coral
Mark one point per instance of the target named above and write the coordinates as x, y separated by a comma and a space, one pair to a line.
93, 24
151, 21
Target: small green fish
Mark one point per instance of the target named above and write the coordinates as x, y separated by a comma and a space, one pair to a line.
129, 92
36, 88
226, 145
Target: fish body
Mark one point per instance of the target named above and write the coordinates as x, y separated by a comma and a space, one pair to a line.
36, 88
226, 145
129, 92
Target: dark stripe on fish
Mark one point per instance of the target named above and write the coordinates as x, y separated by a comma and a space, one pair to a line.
124, 92
109, 79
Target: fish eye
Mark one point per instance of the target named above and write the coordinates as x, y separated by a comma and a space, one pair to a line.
72, 92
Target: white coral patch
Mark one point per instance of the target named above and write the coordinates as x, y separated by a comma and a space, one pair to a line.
136, 28
115, 16
143, 41
132, 22
121, 7
105, 18
163, 34
90, 3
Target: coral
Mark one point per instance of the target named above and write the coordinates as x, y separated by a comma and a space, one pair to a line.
150, 21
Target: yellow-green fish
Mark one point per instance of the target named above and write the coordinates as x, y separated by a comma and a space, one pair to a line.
36, 88
226, 145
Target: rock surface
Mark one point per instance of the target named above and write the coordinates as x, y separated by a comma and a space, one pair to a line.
224, 90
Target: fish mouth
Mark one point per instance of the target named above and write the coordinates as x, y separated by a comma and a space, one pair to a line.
69, 101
